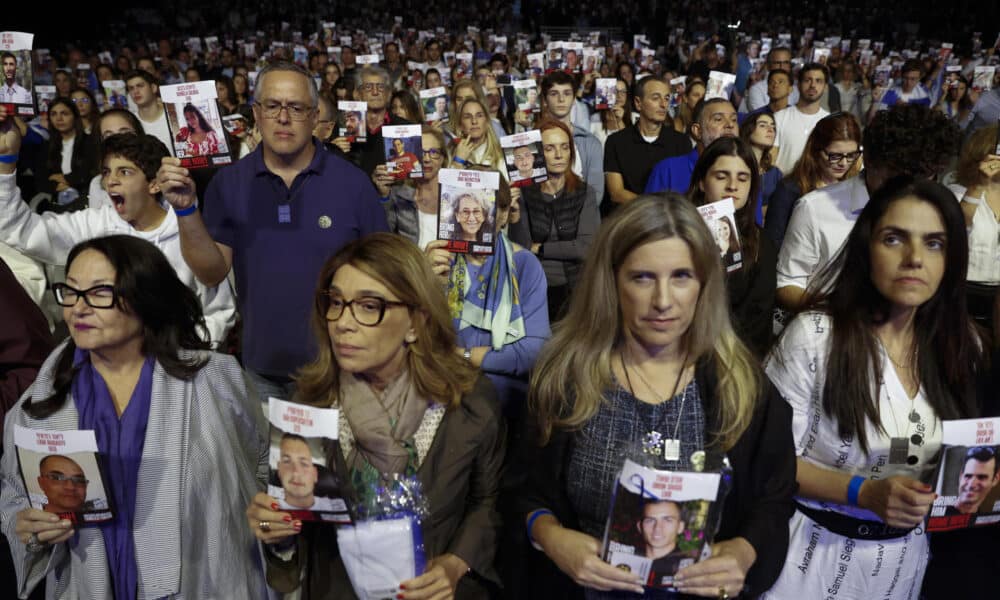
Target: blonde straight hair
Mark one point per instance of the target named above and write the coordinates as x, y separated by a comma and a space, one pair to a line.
436, 370
493, 155
574, 368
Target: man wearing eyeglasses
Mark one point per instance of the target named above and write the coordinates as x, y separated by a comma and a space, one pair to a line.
978, 478
778, 59
274, 217
10, 91
64, 484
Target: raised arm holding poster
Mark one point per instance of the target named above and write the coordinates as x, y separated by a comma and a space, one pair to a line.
195, 125
15, 57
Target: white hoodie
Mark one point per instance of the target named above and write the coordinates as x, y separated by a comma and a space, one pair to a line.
49, 238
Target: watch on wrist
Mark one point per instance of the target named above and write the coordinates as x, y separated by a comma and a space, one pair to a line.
467, 354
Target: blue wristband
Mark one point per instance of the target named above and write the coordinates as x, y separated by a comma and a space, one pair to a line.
531, 523
8, 158
460, 161
853, 489
183, 212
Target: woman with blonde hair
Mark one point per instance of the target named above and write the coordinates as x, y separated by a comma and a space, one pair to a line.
478, 143
387, 359
647, 346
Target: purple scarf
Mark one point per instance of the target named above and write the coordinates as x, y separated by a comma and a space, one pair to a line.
119, 442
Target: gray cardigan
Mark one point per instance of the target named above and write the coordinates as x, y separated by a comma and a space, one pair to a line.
204, 458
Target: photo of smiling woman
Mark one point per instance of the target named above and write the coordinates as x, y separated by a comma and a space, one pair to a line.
883, 352
471, 216
199, 134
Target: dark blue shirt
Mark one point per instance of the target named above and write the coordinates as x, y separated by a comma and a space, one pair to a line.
280, 239
672, 174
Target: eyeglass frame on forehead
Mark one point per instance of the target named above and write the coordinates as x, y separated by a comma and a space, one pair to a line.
58, 290
384, 304
273, 112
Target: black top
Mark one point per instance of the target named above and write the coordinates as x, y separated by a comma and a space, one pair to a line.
779, 210
751, 297
627, 153
757, 507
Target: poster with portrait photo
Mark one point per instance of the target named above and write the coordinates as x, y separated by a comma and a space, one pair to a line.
463, 65
554, 56
403, 146
526, 95
678, 86
572, 56
44, 95
605, 89
114, 94
660, 522
721, 220
16, 86
300, 477
468, 210
435, 103
196, 129
62, 474
235, 124
524, 158
593, 58
982, 80
967, 477
536, 63
720, 85
351, 122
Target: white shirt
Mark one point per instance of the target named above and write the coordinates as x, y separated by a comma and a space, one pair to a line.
820, 223
159, 129
50, 237
97, 196
427, 224
67, 156
14, 94
793, 129
984, 241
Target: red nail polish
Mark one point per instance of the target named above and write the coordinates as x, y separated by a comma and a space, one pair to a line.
287, 518
402, 587
274, 506
400, 596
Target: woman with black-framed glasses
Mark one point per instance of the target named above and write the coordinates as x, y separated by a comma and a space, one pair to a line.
387, 359
166, 414
832, 154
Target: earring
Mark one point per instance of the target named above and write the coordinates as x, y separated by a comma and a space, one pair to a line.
410, 338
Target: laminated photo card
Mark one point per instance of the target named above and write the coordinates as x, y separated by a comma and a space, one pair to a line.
721, 220
593, 58
678, 86
195, 124
467, 210
300, 477
16, 87
435, 103
555, 56
114, 93
983, 78
351, 120
526, 95
44, 94
536, 62
524, 158
403, 149
367, 59
720, 85
463, 62
605, 92
62, 474
573, 56
966, 478
660, 522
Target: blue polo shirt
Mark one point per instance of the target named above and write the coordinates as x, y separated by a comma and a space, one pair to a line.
672, 174
280, 239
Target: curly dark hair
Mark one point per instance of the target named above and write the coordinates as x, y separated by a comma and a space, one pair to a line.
911, 140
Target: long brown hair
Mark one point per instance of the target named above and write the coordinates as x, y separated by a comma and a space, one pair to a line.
437, 371
573, 369
838, 127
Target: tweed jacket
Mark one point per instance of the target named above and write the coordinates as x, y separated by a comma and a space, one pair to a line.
204, 458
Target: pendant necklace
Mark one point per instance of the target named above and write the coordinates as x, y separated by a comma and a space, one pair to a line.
653, 441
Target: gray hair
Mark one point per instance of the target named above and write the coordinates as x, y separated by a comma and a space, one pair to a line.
283, 65
371, 71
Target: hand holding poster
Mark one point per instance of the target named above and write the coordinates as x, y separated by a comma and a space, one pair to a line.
195, 125
302, 437
61, 474
526, 95
967, 476
721, 220
525, 160
659, 522
15, 57
467, 211
403, 151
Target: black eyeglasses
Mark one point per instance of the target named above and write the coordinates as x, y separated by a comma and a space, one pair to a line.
99, 296
367, 310
296, 112
835, 157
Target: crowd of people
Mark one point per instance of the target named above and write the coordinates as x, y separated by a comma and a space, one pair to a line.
160, 306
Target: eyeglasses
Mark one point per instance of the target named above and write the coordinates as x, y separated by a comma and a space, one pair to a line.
367, 310
466, 214
434, 153
296, 112
99, 296
835, 157
60, 478
81, 100
371, 87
